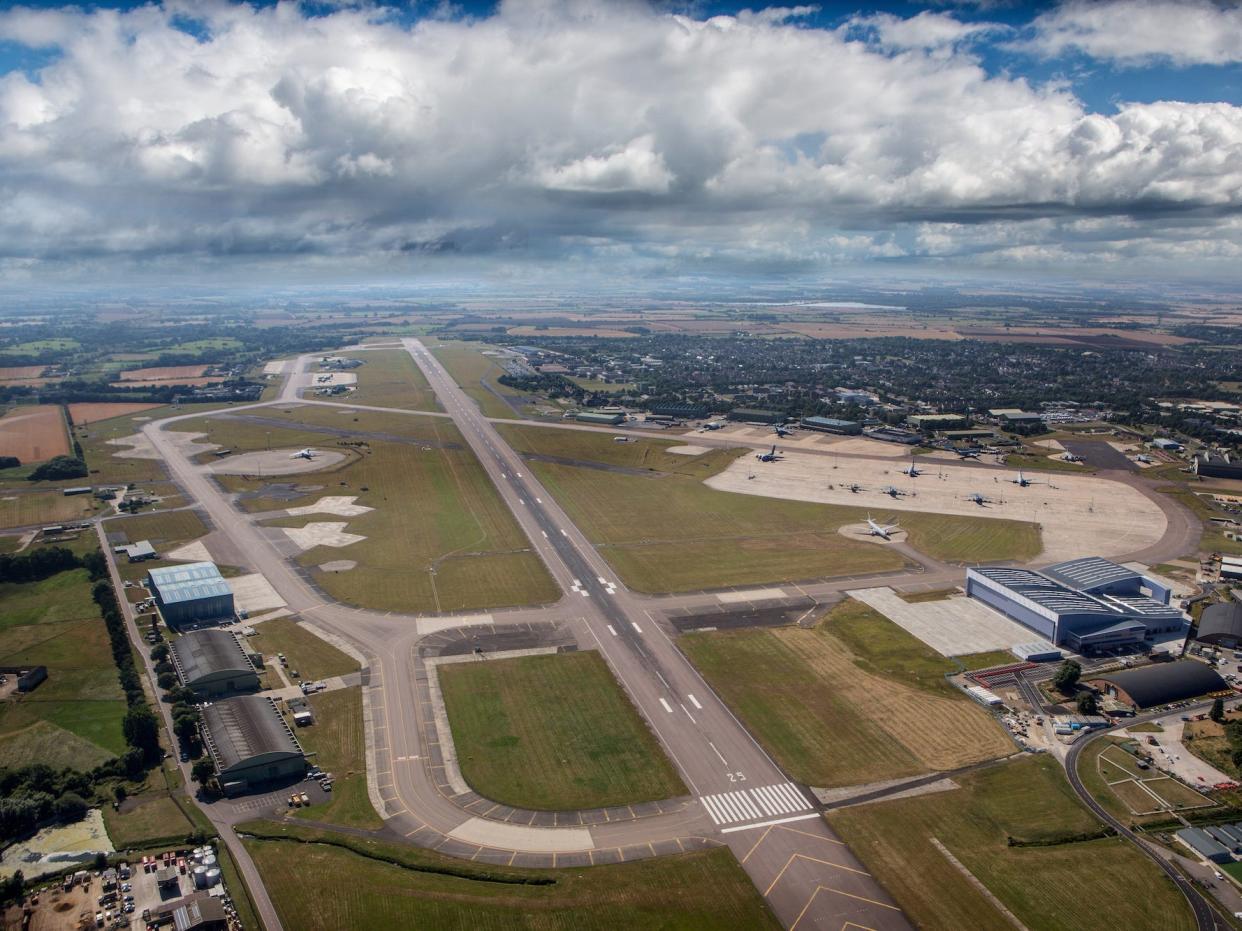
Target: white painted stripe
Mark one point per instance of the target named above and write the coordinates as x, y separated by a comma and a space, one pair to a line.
694, 701
794, 796
611, 630
726, 801
601, 580
667, 706
563, 533
585, 593
787, 803
712, 810
746, 804
545, 534
768, 824
539, 500
765, 802
636, 627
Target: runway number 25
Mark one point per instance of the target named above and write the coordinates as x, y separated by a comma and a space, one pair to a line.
737, 777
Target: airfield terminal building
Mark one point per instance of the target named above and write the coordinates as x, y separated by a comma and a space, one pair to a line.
213, 663
192, 594
1084, 604
250, 744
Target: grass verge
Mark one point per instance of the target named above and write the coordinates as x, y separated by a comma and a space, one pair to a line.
338, 745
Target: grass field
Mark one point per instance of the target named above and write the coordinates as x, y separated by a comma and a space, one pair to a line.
160, 527
663, 530
476, 374
34, 433
1207, 741
1039, 463
26, 509
146, 820
55, 623
553, 733
1048, 888
854, 700
439, 537
339, 747
101, 456
389, 378
310, 655
421, 889
1098, 765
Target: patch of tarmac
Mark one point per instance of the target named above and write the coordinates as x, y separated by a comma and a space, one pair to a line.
862, 533
341, 432
337, 565
321, 533
688, 450
1100, 455
275, 462
497, 639
780, 615
589, 464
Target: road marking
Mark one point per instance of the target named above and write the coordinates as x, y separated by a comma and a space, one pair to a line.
688, 714
519, 475
717, 752
694, 701
563, 533
636, 627
747, 804
585, 593
539, 500
611, 630
601, 580
667, 706
522, 501
545, 534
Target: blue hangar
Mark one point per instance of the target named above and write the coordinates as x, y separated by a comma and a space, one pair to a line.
1085, 604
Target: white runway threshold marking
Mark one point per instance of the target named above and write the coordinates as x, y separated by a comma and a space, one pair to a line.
667, 706
637, 629
749, 804
694, 701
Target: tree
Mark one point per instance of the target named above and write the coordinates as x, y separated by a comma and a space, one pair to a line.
1066, 678
142, 730
1087, 703
1217, 713
70, 807
203, 770
101, 861
11, 889
59, 467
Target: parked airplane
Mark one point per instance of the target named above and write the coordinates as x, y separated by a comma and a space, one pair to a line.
1071, 457
713, 425
781, 431
876, 530
1023, 482
912, 470
772, 456
968, 453
894, 492
307, 453
979, 499
855, 487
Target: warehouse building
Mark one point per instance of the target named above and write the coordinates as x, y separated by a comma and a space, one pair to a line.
250, 744
682, 411
192, 594
1203, 844
1209, 465
213, 663
600, 417
755, 415
832, 425
1084, 604
1160, 683
1221, 625
937, 421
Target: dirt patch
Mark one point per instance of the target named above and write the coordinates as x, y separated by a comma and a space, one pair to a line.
34, 434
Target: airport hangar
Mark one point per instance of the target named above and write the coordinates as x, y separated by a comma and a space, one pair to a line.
1221, 625
213, 663
250, 744
1085, 605
191, 594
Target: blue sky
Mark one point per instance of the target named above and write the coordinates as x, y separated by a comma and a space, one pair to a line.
572, 141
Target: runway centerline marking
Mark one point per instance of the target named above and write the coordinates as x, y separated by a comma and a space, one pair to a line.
611, 630
636, 627
694, 701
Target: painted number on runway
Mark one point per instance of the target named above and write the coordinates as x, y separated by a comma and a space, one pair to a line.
751, 804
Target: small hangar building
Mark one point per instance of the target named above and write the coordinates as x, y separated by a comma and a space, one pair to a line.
1084, 604
1221, 625
213, 663
191, 594
250, 744
1160, 683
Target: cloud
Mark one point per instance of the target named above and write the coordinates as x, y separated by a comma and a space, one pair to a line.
1134, 32
566, 132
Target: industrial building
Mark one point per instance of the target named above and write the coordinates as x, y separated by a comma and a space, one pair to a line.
832, 425
896, 435
1159, 683
1210, 465
1204, 845
191, 594
937, 421
137, 552
755, 415
853, 396
680, 410
1221, 625
250, 744
1083, 604
213, 663
600, 417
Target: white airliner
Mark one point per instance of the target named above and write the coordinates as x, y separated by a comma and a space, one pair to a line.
1023, 482
912, 470
876, 530
307, 453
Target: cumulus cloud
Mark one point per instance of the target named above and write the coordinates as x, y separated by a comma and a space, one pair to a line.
566, 131
1132, 32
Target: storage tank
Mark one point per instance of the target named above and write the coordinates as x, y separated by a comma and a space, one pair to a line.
213, 876
209, 860
200, 877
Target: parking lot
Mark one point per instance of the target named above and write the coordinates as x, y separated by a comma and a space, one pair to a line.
952, 627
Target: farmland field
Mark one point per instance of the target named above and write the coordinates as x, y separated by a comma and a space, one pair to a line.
55, 623
26, 509
422, 889
389, 378
164, 373
439, 537
337, 739
1049, 887
34, 434
84, 413
165, 382
552, 733
312, 656
854, 700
